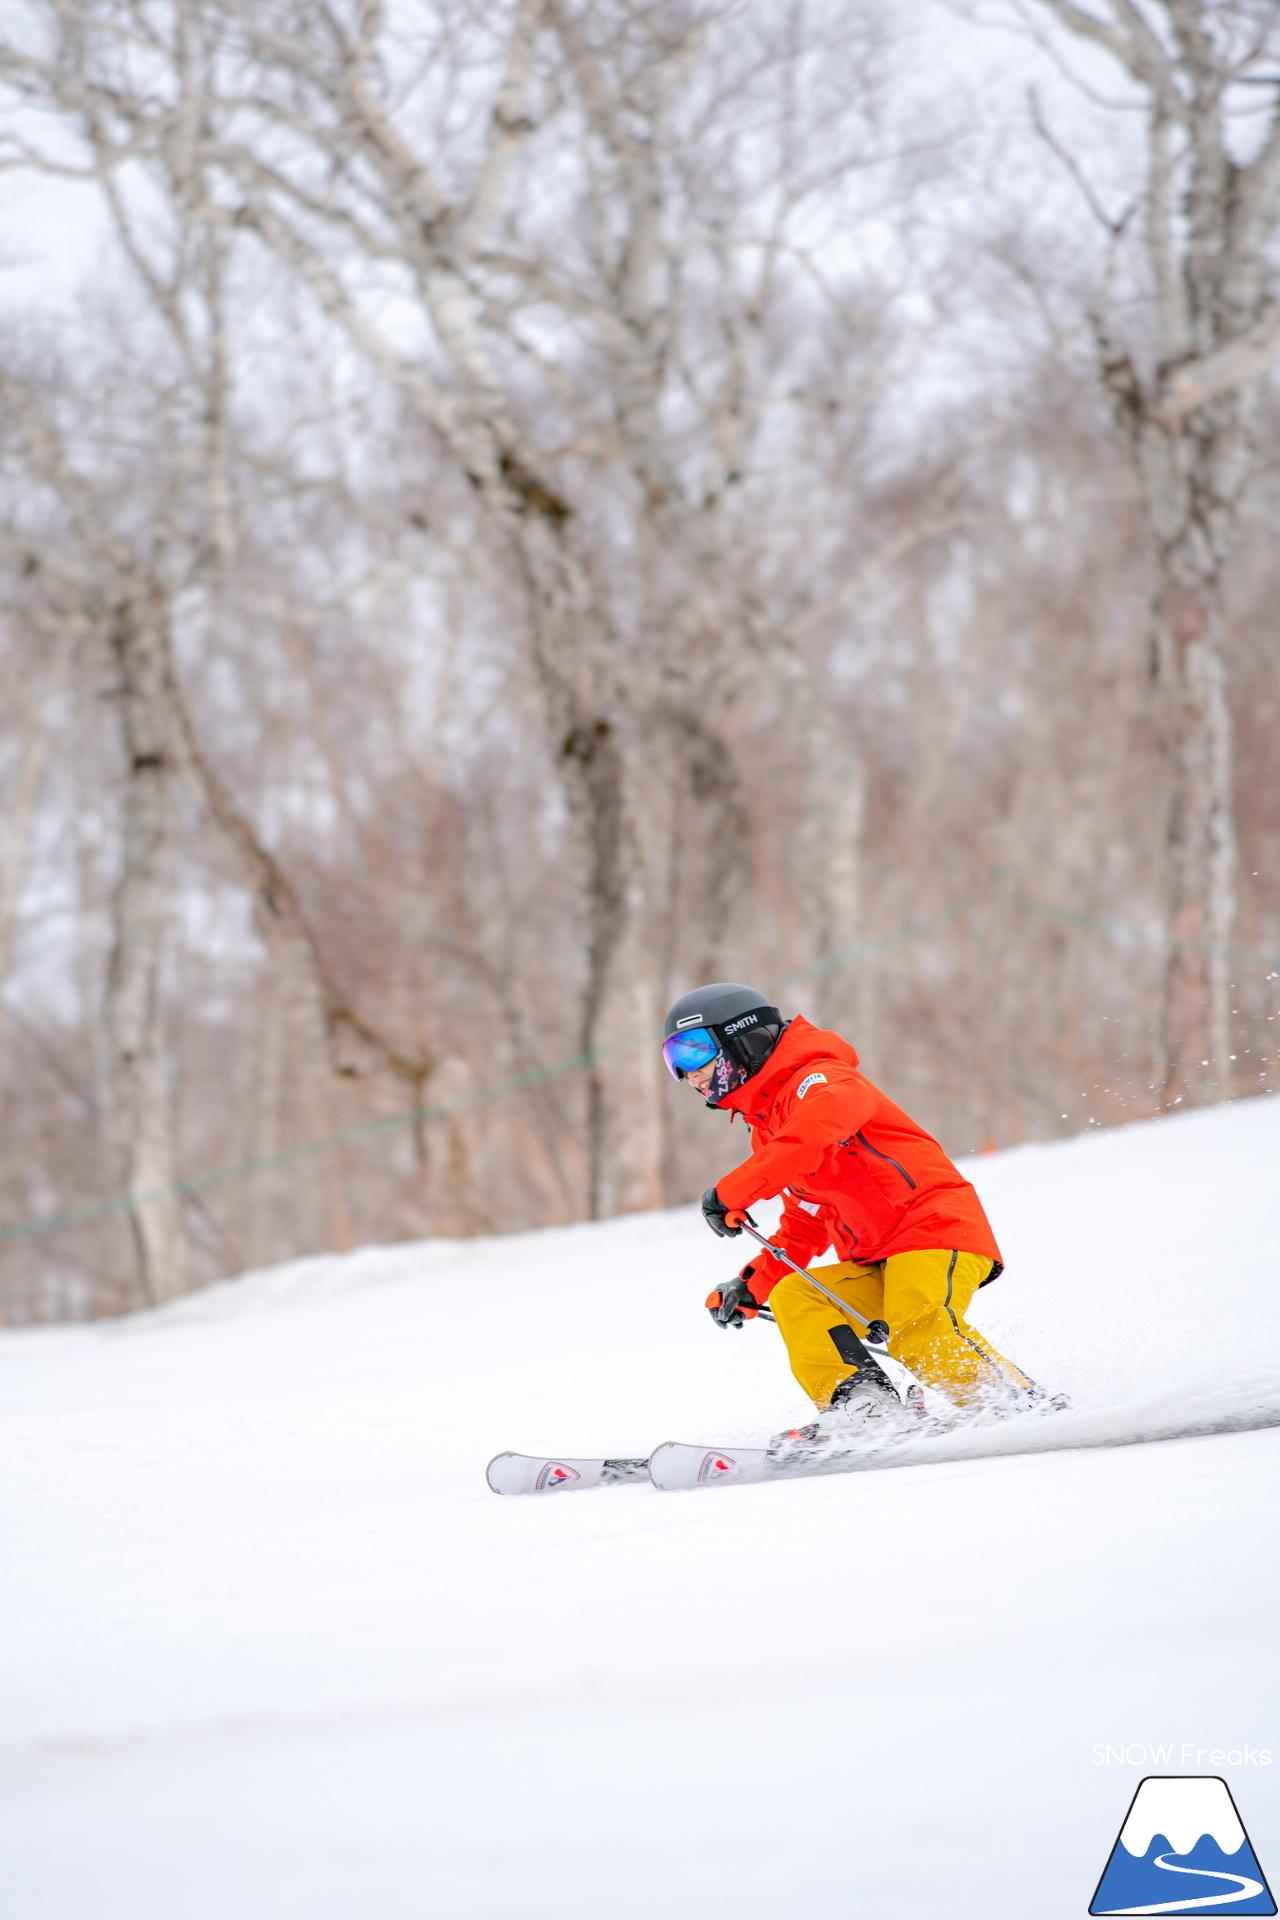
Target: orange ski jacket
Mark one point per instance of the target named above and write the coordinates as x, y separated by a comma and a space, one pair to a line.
857, 1172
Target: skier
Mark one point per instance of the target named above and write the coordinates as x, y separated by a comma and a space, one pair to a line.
857, 1174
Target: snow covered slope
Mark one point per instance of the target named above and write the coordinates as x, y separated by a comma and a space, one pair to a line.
271, 1650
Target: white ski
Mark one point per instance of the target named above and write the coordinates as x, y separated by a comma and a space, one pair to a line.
675, 1466
535, 1473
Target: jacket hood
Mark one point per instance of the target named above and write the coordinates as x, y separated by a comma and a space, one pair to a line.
801, 1044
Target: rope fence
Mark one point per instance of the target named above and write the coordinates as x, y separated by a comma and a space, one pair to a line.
575, 1063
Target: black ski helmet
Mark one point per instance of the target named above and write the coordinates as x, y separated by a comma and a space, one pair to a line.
741, 1022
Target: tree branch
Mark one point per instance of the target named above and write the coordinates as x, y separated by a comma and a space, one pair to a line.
1229, 368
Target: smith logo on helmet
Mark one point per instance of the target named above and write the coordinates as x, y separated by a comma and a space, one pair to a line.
748, 1020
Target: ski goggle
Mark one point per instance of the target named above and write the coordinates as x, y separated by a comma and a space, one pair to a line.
686, 1052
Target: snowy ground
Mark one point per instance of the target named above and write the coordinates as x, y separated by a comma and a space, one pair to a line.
271, 1650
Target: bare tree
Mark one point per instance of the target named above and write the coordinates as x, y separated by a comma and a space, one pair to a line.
241, 114
332, 87
104, 585
666, 208
1209, 206
181, 268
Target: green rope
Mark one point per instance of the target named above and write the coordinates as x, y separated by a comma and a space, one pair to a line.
1120, 930
478, 1096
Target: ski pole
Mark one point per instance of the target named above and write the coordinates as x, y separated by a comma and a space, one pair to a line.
877, 1330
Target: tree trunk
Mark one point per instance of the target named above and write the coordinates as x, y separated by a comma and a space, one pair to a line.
448, 1155
319, 1120
1191, 475
618, 1003
1208, 236
37, 715
828, 844
1191, 682
592, 711
268, 1083
137, 1081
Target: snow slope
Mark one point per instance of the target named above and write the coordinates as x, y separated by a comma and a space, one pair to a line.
271, 1650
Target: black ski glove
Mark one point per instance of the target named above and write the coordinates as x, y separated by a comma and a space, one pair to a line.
733, 1304
721, 1219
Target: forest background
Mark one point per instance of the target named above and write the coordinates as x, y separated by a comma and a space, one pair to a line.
511, 510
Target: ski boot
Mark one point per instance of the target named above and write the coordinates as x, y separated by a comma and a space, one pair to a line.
865, 1411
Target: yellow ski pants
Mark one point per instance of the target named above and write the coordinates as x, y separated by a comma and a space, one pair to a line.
923, 1297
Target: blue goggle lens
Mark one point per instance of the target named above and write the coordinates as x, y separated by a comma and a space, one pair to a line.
686, 1052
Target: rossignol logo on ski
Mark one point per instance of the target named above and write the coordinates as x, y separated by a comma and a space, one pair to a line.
716, 1464
1182, 1850
556, 1474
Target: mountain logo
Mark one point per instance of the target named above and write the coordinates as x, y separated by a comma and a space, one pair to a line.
556, 1474
1182, 1850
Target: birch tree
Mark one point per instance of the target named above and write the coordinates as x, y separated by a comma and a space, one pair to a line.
563, 353
541, 368
131, 92
319, 104
671, 206
1209, 214
101, 583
